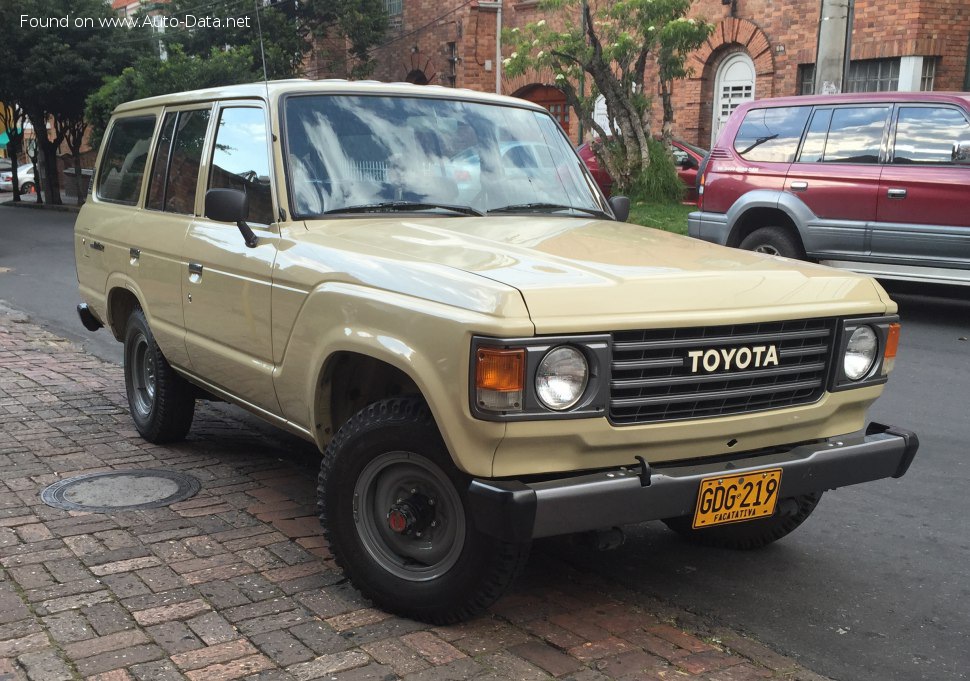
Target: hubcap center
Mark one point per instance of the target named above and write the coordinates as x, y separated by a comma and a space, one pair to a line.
410, 516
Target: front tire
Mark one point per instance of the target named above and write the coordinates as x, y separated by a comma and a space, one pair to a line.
774, 241
162, 403
395, 513
753, 534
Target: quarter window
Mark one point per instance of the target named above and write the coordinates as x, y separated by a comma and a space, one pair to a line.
125, 156
241, 161
771, 135
926, 134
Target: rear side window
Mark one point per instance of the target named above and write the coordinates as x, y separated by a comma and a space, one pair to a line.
125, 156
855, 135
771, 135
926, 134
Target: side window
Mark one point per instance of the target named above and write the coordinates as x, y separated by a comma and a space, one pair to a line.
771, 135
125, 156
241, 160
156, 187
855, 135
814, 146
186, 158
926, 134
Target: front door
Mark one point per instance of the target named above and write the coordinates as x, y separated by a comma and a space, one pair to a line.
734, 85
923, 213
227, 285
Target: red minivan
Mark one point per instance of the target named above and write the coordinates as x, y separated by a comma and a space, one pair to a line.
873, 182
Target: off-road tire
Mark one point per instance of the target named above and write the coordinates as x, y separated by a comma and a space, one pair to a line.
373, 448
162, 403
774, 241
753, 534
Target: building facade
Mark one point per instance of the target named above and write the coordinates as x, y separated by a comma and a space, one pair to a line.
759, 48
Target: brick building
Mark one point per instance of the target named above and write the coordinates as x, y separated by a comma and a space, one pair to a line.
760, 48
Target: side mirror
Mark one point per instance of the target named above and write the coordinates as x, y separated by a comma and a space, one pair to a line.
621, 207
226, 205
230, 205
961, 153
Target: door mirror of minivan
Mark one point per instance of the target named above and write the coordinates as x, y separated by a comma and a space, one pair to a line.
230, 205
621, 207
961, 153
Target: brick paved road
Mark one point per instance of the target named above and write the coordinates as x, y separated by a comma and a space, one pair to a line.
237, 582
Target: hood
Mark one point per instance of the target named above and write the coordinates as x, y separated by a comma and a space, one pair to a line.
594, 275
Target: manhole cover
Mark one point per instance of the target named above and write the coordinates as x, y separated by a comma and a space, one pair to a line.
120, 490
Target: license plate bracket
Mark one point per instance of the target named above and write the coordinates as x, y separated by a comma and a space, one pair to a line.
737, 498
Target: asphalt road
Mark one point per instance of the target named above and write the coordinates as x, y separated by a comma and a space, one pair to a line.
874, 587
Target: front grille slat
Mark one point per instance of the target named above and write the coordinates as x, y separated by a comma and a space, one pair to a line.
653, 378
712, 378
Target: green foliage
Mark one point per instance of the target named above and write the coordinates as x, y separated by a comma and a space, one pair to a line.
150, 77
612, 42
362, 22
659, 182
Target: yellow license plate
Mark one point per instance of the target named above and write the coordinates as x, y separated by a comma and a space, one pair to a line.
736, 498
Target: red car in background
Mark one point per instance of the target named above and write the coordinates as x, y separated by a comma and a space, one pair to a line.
687, 157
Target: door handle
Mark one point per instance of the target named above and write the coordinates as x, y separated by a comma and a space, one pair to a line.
195, 268
97, 245
135, 253
896, 193
799, 186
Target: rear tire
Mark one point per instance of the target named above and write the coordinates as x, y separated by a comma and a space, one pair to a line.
774, 241
162, 403
395, 513
753, 534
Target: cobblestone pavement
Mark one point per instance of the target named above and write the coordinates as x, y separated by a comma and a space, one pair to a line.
237, 582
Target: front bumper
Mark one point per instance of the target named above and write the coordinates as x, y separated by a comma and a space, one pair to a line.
518, 511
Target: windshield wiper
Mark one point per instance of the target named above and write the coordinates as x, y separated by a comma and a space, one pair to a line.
548, 207
758, 142
387, 206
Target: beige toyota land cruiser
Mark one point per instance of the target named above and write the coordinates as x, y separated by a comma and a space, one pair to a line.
426, 283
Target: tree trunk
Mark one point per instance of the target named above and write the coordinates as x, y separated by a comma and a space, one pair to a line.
14, 154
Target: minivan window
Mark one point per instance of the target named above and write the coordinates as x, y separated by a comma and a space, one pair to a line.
926, 134
771, 135
855, 135
125, 156
240, 159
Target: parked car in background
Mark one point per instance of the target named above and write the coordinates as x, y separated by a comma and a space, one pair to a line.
5, 164
25, 177
873, 182
687, 157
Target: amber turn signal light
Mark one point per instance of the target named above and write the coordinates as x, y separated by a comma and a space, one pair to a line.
892, 340
499, 379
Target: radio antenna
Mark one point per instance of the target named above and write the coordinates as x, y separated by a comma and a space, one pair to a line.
262, 52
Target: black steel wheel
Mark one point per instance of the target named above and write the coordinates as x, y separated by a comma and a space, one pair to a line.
395, 513
162, 403
774, 241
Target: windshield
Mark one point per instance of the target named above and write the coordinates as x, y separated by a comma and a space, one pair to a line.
383, 154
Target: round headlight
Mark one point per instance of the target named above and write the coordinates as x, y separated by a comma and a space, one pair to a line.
561, 377
860, 353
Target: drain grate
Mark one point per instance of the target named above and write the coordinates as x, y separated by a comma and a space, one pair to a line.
125, 490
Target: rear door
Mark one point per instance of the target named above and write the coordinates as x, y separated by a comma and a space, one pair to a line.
836, 175
923, 214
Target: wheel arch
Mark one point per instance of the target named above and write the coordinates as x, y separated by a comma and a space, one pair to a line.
348, 381
766, 209
121, 302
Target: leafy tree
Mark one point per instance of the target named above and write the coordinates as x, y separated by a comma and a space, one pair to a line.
150, 76
614, 42
363, 23
49, 70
